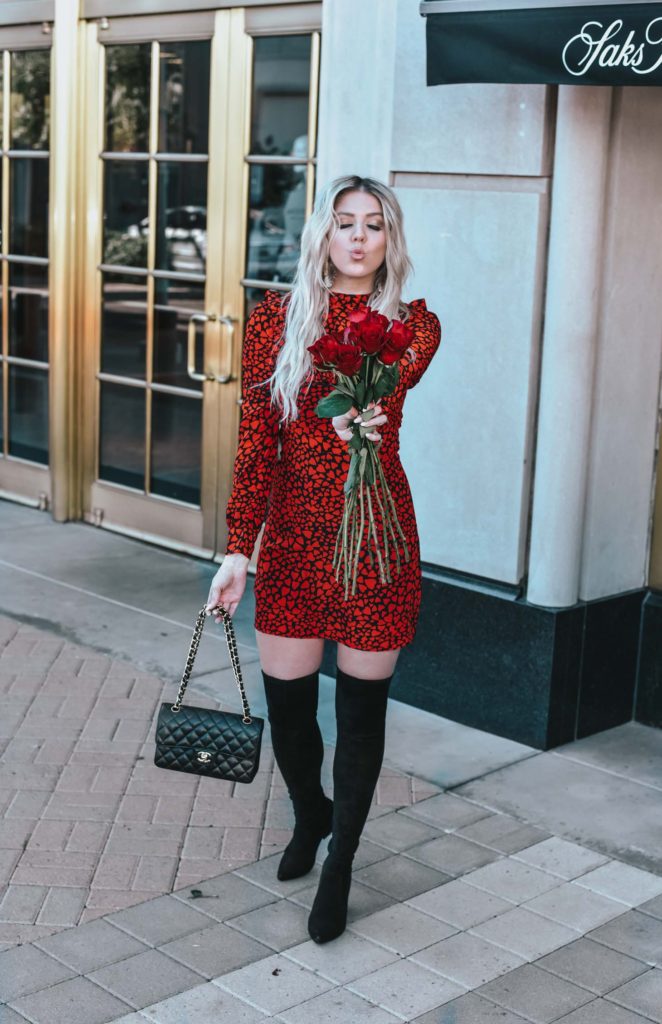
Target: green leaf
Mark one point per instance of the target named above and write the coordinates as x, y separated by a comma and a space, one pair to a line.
334, 404
369, 472
360, 394
357, 441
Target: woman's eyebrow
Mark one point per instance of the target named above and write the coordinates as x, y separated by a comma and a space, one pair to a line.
346, 213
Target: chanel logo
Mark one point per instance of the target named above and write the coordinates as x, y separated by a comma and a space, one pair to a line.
204, 757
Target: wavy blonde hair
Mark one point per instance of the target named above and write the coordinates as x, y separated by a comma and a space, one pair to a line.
308, 302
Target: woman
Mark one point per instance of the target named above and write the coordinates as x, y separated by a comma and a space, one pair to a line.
352, 253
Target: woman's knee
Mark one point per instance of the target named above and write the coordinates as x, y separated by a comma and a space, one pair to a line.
289, 657
367, 664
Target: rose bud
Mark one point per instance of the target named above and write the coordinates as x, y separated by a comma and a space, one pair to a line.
325, 350
398, 340
349, 359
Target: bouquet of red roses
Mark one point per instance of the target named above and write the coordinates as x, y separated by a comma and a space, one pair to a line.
365, 360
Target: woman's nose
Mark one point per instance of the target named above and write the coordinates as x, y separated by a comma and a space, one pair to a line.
358, 231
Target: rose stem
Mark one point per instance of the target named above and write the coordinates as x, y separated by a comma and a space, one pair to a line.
373, 530
360, 538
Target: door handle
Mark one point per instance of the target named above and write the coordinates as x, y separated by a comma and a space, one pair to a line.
194, 320
201, 318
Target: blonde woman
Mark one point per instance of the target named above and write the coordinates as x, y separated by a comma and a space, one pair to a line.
290, 469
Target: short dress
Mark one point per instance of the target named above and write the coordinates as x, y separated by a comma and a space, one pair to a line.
291, 477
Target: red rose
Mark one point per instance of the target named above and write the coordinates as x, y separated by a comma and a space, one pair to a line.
325, 350
398, 340
367, 329
349, 359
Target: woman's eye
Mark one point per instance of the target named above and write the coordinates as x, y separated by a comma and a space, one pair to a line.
375, 227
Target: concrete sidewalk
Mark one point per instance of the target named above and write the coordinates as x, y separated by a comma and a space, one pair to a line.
494, 882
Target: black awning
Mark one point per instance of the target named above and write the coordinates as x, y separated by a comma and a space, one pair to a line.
590, 43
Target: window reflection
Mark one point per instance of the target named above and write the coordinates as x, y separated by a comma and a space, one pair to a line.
184, 97
28, 413
281, 81
181, 231
122, 435
124, 325
127, 98
176, 432
174, 302
125, 213
276, 215
28, 311
28, 206
30, 99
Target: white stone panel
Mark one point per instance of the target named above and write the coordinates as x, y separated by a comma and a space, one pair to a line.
462, 129
356, 88
467, 425
629, 355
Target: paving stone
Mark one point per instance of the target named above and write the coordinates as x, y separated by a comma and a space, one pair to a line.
225, 896
62, 906
204, 1004
405, 988
279, 925
575, 906
467, 959
527, 934
367, 853
398, 832
9, 1016
90, 946
274, 984
25, 969
623, 882
634, 933
642, 995
512, 880
77, 1001
402, 928
602, 1012
446, 811
263, 872
158, 920
215, 950
345, 959
338, 1006
145, 978
469, 1009
459, 904
652, 907
535, 994
22, 903
400, 877
362, 900
592, 965
561, 857
452, 854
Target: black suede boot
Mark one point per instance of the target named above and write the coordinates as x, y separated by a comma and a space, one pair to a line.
299, 751
361, 716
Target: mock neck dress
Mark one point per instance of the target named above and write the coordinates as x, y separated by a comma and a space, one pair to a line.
290, 477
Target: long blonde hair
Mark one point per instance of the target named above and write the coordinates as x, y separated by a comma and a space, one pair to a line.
308, 302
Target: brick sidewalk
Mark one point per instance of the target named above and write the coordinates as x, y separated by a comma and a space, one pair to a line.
89, 824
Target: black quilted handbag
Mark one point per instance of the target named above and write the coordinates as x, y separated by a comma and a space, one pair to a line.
221, 744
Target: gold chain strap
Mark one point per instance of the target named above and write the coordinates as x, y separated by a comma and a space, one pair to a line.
234, 658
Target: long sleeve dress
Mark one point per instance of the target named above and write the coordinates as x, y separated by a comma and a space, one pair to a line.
297, 487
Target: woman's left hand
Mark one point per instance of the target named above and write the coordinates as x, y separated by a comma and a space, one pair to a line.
342, 424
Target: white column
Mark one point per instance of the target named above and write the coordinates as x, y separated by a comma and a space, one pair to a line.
569, 341
357, 74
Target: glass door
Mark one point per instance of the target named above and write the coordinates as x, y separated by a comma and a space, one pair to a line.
189, 218
25, 78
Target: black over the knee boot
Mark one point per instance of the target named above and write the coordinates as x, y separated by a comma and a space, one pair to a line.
299, 751
361, 716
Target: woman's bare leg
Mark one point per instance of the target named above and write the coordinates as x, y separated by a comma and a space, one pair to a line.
367, 664
289, 658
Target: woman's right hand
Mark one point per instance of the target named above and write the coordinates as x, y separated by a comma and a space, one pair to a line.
343, 424
228, 585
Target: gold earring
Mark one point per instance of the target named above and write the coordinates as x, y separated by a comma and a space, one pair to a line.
328, 273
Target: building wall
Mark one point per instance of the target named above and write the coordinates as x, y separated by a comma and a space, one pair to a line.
471, 166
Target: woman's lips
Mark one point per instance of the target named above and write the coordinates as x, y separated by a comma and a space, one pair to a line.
357, 255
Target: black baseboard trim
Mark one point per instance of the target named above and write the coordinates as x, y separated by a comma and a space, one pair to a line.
540, 676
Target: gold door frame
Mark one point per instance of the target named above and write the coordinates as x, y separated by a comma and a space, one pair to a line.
163, 520
29, 482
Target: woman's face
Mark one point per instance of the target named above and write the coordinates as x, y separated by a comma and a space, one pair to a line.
358, 247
